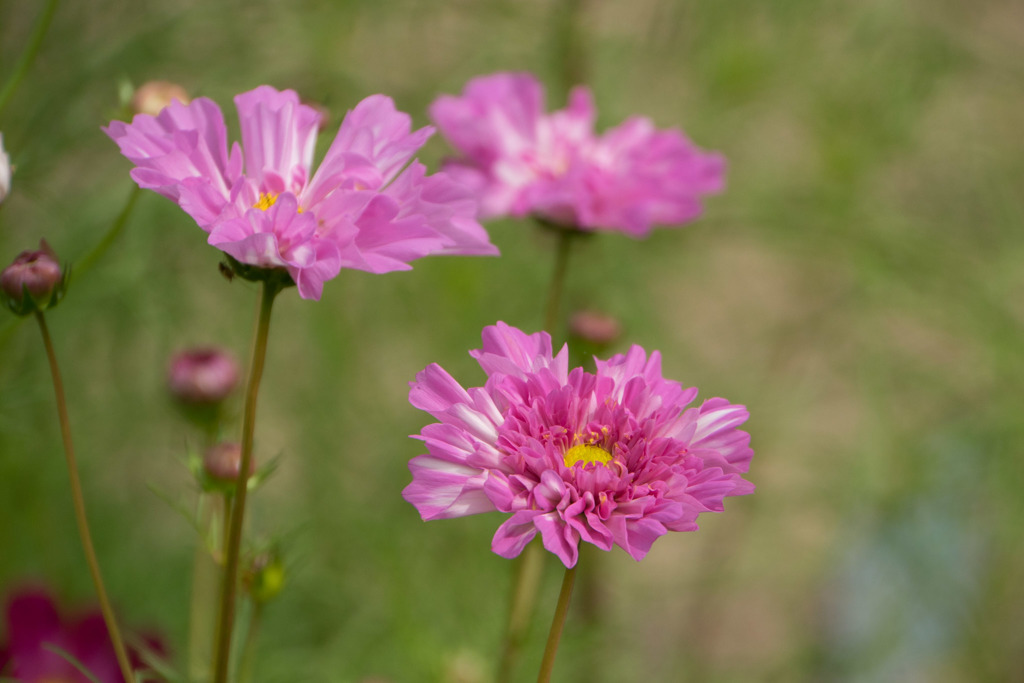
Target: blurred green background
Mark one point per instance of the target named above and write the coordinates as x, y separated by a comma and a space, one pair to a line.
858, 286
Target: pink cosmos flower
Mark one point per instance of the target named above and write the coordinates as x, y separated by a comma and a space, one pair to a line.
617, 457
34, 626
522, 161
365, 207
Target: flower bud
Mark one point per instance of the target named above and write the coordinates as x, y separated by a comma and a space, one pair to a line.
151, 97
594, 327
5, 171
202, 376
265, 576
222, 462
34, 282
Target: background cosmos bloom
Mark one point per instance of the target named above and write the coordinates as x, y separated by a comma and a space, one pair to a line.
522, 161
33, 625
365, 207
615, 457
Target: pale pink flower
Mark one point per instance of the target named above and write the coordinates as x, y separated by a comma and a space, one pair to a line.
5, 171
365, 207
522, 161
617, 457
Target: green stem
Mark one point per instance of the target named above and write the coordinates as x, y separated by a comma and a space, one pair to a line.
229, 587
87, 261
205, 575
565, 239
570, 49
79, 503
555, 634
225, 530
526, 581
249, 648
529, 566
29, 54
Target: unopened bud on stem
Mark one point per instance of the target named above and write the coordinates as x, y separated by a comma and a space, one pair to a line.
202, 376
151, 97
223, 461
34, 282
593, 327
265, 576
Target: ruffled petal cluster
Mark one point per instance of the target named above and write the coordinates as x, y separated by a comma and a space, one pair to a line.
262, 202
520, 160
614, 457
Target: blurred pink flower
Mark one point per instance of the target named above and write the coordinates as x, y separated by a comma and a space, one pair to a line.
363, 208
5, 171
33, 626
614, 457
522, 161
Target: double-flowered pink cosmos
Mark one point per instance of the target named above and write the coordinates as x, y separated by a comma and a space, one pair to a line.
522, 161
615, 457
365, 207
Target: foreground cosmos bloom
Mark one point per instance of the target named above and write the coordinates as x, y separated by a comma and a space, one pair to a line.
522, 161
263, 205
614, 457
34, 626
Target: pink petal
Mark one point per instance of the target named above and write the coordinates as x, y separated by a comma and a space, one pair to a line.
558, 537
278, 136
513, 535
442, 490
377, 132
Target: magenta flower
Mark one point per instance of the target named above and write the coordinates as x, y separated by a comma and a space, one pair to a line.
34, 627
365, 207
612, 458
522, 161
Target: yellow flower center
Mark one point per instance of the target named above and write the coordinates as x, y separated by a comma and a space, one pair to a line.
265, 202
587, 454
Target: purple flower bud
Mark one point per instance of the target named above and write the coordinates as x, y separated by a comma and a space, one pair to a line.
202, 376
222, 462
38, 274
595, 327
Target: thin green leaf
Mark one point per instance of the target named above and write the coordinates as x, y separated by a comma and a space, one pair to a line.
70, 659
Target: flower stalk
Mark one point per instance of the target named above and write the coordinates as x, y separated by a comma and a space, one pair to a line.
78, 501
565, 240
557, 623
530, 565
529, 568
236, 511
